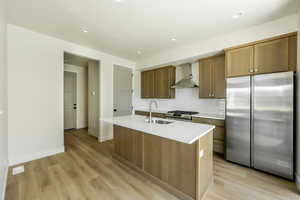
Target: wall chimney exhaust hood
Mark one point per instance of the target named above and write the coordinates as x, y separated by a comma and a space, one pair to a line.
186, 80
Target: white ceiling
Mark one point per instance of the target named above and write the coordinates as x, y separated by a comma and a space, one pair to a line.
124, 28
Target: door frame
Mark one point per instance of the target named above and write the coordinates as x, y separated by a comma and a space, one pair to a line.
62, 87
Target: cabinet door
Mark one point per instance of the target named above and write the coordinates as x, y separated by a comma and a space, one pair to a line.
271, 56
205, 78
148, 84
293, 53
218, 77
239, 62
164, 79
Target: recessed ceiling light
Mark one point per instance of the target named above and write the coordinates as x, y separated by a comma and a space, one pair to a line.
119, 1
238, 15
85, 30
139, 52
173, 39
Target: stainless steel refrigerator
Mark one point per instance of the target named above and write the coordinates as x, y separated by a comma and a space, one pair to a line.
260, 122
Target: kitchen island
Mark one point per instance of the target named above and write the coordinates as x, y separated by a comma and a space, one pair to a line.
177, 156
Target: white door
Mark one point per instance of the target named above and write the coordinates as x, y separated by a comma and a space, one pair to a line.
122, 91
69, 100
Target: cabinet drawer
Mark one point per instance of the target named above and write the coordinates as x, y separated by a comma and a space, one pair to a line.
219, 133
218, 146
208, 121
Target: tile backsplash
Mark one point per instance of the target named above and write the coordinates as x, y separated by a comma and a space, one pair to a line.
186, 99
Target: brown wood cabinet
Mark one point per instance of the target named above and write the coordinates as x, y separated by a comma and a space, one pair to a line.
148, 84
157, 83
277, 54
212, 77
178, 167
239, 62
271, 56
293, 53
205, 76
219, 132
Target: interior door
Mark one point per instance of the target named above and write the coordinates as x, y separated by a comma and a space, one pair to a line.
70, 100
238, 120
122, 91
273, 123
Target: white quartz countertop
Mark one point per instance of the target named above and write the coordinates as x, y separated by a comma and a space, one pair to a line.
181, 131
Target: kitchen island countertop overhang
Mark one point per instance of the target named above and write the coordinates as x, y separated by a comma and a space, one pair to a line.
180, 131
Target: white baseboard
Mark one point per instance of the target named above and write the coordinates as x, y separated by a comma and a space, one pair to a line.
35, 156
105, 138
5, 182
298, 182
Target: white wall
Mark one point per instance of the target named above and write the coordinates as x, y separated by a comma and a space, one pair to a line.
35, 97
3, 100
81, 94
93, 98
273, 28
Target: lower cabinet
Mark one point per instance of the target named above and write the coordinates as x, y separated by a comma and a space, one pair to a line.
219, 132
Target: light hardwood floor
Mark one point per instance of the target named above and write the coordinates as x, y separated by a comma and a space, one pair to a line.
86, 171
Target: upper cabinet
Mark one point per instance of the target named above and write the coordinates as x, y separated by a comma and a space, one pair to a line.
157, 83
272, 56
239, 62
148, 84
276, 54
212, 77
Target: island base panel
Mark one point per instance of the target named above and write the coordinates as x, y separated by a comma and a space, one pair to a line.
184, 170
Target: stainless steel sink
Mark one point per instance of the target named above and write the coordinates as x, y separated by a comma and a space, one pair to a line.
162, 122
159, 121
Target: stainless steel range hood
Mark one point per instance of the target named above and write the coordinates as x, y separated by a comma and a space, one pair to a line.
187, 77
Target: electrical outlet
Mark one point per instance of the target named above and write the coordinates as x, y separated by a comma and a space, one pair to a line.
201, 153
18, 170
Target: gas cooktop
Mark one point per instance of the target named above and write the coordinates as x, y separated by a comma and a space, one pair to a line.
181, 115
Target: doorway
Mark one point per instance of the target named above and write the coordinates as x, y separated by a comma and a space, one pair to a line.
81, 94
122, 91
